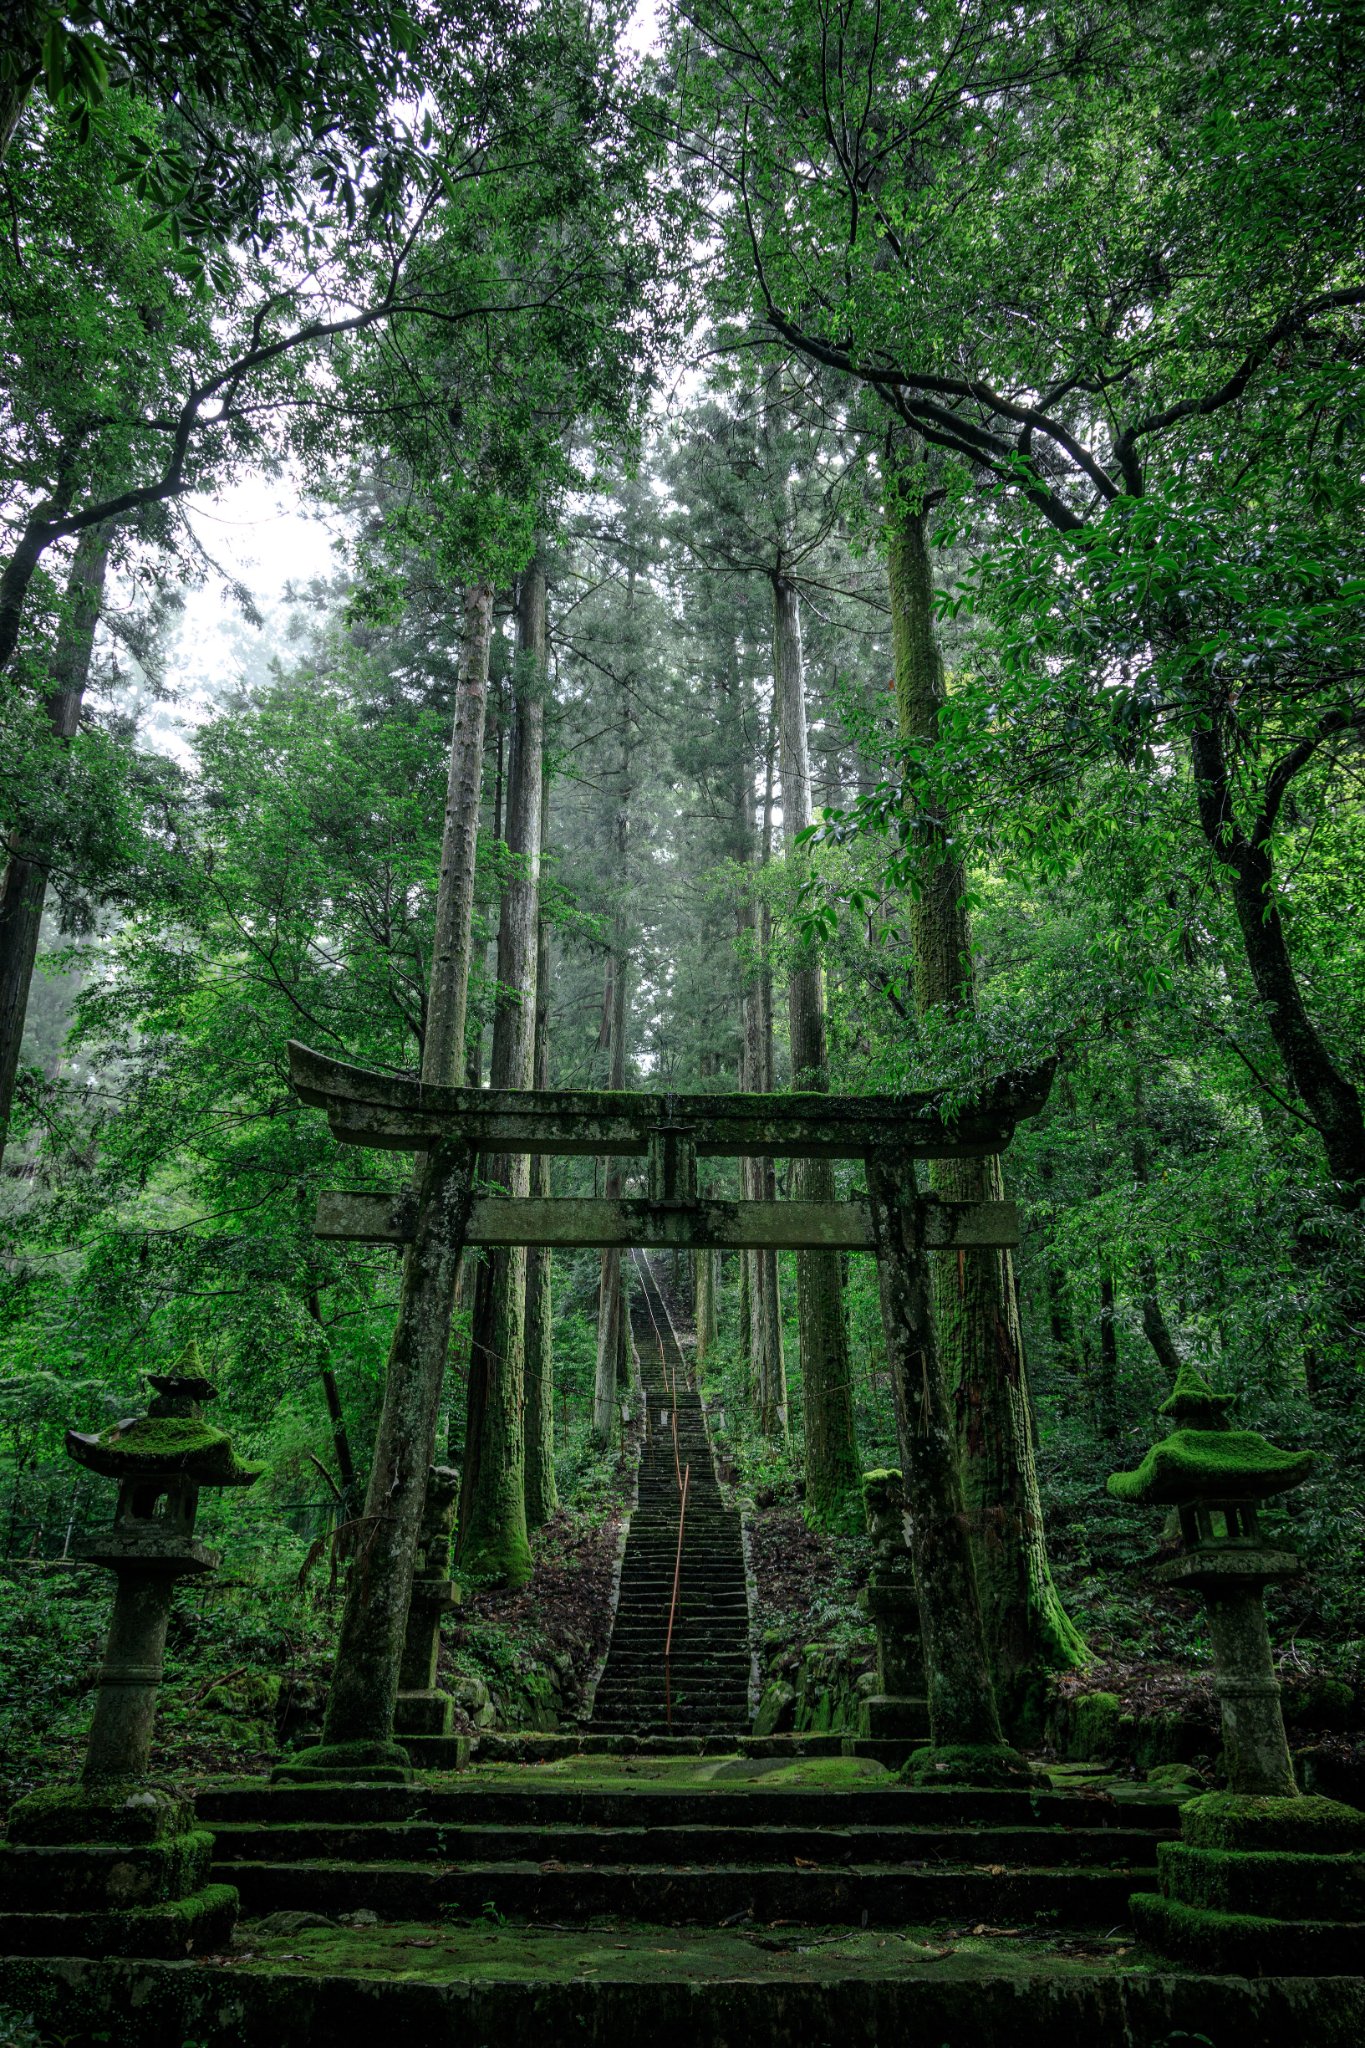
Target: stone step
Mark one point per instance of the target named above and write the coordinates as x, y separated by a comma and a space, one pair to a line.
650, 1678
696, 1846
650, 1663
686, 1710
874, 1894
538, 1802
432, 1986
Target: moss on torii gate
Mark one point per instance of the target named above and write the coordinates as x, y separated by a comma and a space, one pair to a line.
451, 1126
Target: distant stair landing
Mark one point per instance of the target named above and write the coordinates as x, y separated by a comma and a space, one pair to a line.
702, 1688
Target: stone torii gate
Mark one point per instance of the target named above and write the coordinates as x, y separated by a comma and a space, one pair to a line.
670, 1132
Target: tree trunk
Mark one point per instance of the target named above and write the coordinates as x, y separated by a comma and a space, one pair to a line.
961, 1698
761, 1297
541, 1496
976, 1311
493, 1541
831, 1452
21, 31
1154, 1325
341, 1441
24, 887
1332, 1101
612, 1373
443, 1049
369, 1654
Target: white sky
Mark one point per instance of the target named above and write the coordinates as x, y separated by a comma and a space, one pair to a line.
266, 535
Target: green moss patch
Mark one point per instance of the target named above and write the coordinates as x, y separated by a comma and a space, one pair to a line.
1240, 1820
1270, 1882
1252, 1944
95, 1876
365, 1763
966, 1764
174, 1928
118, 1811
1196, 1464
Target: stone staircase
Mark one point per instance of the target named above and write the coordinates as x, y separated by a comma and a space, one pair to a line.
677, 1854
703, 1689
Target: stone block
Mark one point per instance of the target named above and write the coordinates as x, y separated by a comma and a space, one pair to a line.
423, 1713
1260, 1883
95, 1876
775, 1707
174, 1928
890, 1717
119, 1810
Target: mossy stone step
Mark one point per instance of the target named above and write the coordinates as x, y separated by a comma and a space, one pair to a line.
875, 1894
534, 1801
699, 1844
429, 1986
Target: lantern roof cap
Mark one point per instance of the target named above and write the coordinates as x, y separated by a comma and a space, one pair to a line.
172, 1440
1205, 1458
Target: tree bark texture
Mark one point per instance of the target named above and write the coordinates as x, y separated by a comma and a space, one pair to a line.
610, 1288
336, 1414
378, 1591
493, 1537
760, 1298
443, 1052
975, 1306
23, 889
831, 1449
541, 1495
374, 1619
1332, 1101
612, 1371
21, 29
961, 1696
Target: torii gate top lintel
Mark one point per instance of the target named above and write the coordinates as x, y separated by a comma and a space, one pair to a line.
396, 1114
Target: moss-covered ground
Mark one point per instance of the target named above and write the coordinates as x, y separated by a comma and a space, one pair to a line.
626, 1953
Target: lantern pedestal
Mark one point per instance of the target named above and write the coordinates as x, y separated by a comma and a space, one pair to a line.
897, 1711
1262, 1885
423, 1710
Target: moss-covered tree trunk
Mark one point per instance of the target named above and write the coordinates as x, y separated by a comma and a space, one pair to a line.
704, 1261
962, 1708
612, 1371
493, 1537
541, 1494
831, 1449
761, 1304
374, 1618
24, 887
607, 1376
976, 1312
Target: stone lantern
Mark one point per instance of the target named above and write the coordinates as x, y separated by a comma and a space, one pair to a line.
896, 1712
1261, 1879
423, 1712
115, 1863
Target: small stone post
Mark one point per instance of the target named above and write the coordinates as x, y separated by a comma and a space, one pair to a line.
897, 1711
114, 1866
424, 1712
1261, 1879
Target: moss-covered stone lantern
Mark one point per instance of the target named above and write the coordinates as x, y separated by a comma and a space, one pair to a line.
897, 1712
1261, 1879
115, 1865
423, 1712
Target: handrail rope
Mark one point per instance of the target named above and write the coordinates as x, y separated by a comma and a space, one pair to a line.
647, 1281
673, 1603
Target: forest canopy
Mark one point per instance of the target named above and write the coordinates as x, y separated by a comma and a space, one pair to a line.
845, 546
